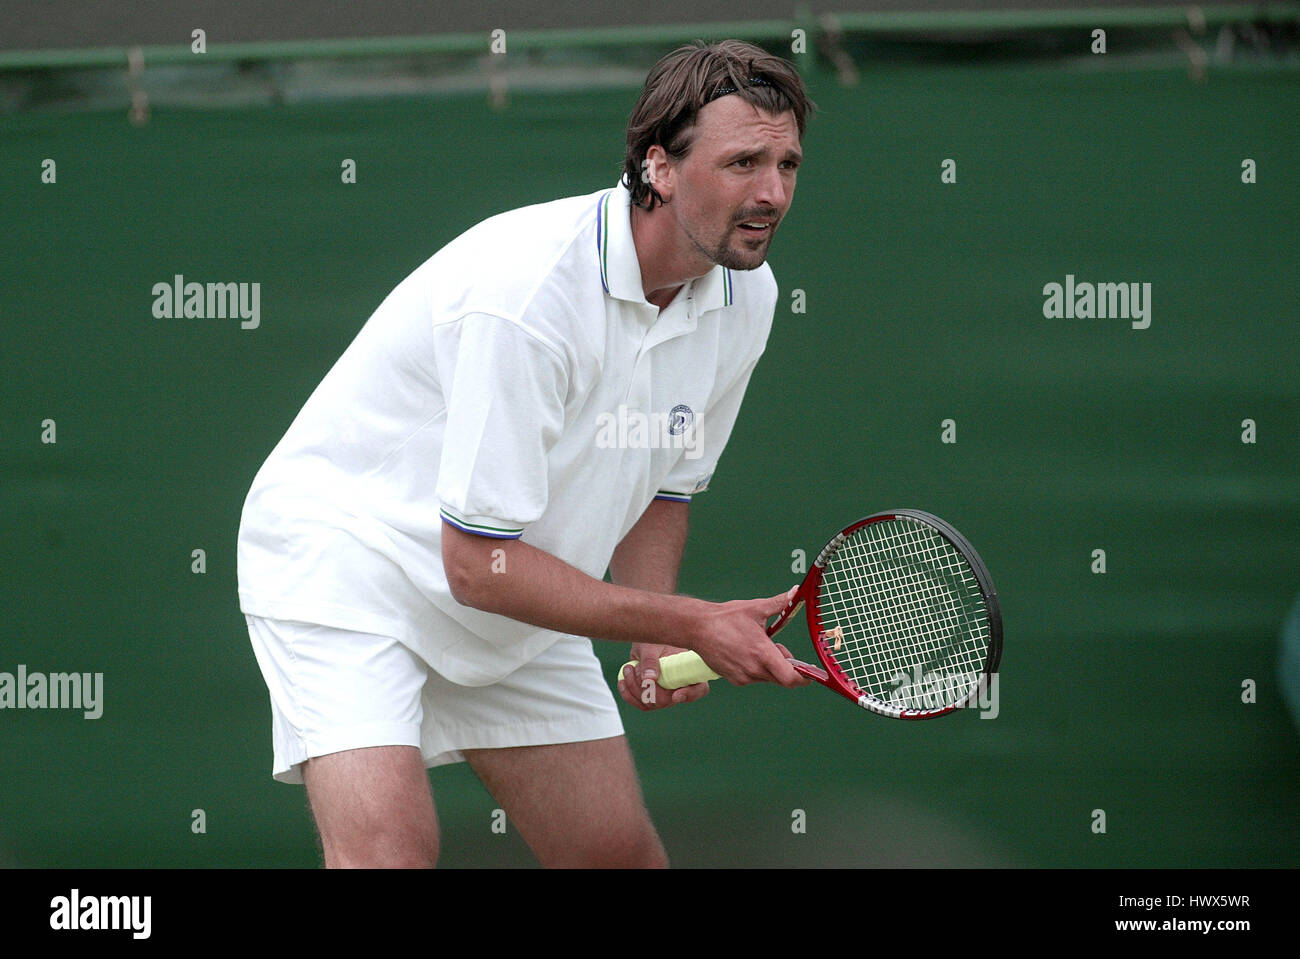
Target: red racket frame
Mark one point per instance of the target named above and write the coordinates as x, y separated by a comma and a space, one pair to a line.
833, 676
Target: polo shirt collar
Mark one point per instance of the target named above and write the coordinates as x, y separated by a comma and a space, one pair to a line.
620, 271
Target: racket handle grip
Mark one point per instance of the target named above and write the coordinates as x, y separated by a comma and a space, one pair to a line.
678, 670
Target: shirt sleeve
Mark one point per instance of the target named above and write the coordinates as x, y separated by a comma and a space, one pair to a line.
505, 390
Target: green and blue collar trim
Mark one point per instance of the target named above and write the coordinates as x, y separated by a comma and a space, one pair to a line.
602, 258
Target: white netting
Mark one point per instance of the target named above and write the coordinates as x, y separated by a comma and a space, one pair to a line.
915, 630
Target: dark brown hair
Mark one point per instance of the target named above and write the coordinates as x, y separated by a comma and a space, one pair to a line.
684, 81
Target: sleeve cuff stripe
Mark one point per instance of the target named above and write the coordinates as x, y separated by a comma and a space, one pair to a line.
479, 529
675, 497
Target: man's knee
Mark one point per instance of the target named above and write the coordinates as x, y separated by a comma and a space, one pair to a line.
373, 809
636, 848
386, 847
645, 853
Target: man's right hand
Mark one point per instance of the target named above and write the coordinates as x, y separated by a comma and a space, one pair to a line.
732, 638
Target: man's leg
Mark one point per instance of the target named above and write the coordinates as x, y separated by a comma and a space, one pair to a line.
373, 808
575, 804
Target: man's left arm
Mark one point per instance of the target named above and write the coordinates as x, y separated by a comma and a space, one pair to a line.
651, 553
649, 558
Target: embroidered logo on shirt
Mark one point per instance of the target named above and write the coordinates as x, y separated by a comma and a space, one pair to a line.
680, 418
631, 429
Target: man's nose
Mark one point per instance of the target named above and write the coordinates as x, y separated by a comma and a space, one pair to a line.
772, 190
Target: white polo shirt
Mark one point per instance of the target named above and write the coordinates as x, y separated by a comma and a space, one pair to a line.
516, 385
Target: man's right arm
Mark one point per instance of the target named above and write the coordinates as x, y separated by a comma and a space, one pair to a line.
530, 585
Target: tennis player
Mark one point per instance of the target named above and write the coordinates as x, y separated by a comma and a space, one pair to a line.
422, 556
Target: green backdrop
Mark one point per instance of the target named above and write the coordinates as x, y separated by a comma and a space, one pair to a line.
1119, 692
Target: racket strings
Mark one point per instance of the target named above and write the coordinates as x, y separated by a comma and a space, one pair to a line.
914, 624
919, 617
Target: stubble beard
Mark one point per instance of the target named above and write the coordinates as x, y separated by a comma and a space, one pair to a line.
744, 259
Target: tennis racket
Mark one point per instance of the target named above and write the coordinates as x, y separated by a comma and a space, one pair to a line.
903, 617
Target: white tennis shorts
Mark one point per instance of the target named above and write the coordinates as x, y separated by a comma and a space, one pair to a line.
334, 689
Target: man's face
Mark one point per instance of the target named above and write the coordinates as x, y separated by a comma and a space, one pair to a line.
732, 189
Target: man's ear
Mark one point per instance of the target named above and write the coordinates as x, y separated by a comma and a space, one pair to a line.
659, 172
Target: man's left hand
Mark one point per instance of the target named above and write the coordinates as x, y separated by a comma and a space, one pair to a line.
637, 684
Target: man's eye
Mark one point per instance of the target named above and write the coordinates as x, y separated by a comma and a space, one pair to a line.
744, 161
